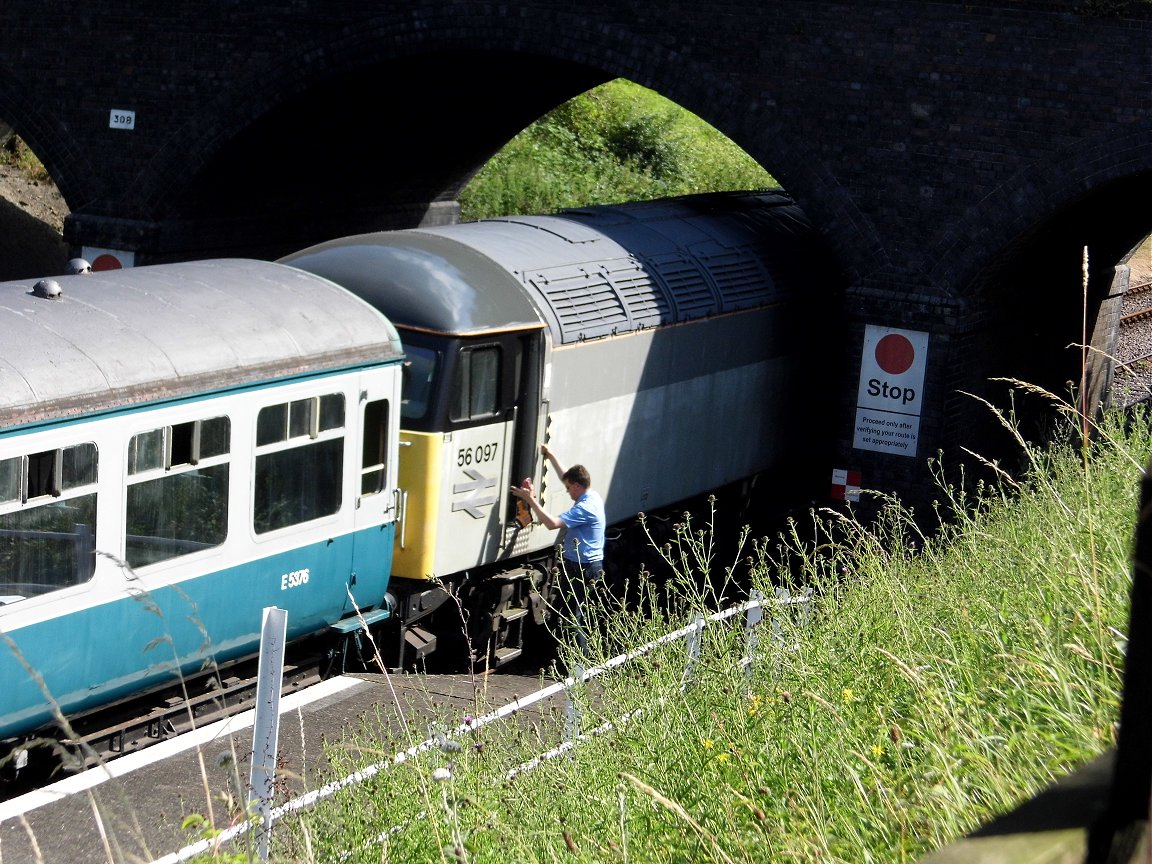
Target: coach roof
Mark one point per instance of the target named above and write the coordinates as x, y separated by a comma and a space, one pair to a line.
125, 337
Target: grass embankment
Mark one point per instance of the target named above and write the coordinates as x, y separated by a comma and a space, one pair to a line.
936, 682
617, 142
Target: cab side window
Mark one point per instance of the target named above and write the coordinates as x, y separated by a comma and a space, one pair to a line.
299, 461
47, 520
476, 389
177, 490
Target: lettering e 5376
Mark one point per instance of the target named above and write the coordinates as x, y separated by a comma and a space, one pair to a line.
294, 579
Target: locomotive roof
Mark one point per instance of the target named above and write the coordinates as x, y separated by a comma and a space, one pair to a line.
424, 281
587, 273
125, 337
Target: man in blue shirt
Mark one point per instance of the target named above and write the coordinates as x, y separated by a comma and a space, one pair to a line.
582, 544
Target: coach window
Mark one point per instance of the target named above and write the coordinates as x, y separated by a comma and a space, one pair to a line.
476, 390
299, 461
374, 463
47, 521
177, 490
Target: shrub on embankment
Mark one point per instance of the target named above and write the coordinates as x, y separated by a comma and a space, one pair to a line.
937, 681
617, 142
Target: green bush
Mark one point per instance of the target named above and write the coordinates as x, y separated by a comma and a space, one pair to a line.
618, 142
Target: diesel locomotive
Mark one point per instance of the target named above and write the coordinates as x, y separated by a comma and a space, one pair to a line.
665, 345
336, 433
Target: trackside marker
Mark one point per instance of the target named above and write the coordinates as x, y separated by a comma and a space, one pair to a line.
845, 485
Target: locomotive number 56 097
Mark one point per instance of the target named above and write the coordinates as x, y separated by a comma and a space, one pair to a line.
476, 455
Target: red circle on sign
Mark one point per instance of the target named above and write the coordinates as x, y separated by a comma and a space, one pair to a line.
106, 262
895, 354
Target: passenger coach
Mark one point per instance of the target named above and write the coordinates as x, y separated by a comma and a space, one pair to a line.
181, 447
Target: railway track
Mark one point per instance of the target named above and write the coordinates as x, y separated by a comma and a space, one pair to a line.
1133, 371
138, 723
1134, 295
1139, 296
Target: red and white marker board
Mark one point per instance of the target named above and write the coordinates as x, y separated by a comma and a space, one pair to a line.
108, 259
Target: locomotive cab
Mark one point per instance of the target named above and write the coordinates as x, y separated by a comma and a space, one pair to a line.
470, 422
469, 430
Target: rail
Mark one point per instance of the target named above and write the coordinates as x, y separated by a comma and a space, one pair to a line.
753, 611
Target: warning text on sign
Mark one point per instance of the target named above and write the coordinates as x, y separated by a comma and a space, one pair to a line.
886, 431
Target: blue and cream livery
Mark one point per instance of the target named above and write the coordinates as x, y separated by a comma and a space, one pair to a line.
180, 447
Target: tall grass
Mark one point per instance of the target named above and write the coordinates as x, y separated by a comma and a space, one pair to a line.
938, 680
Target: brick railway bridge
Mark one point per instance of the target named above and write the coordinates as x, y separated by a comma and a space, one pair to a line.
957, 156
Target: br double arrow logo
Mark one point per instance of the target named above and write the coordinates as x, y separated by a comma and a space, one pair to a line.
475, 483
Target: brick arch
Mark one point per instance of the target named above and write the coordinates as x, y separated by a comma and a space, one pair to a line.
1080, 193
75, 176
604, 49
750, 122
391, 40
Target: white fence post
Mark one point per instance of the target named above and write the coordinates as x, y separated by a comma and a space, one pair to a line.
751, 630
571, 712
266, 728
697, 627
785, 598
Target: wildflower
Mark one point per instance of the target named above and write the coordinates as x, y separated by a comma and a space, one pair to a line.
846, 695
722, 757
754, 705
877, 751
441, 775
708, 743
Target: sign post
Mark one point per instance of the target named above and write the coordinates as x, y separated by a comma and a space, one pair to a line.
266, 727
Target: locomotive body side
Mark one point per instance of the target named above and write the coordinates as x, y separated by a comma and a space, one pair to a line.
661, 416
200, 472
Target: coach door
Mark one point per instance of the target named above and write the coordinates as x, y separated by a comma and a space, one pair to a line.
477, 454
375, 512
528, 433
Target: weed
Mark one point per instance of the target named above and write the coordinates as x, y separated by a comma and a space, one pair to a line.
15, 153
